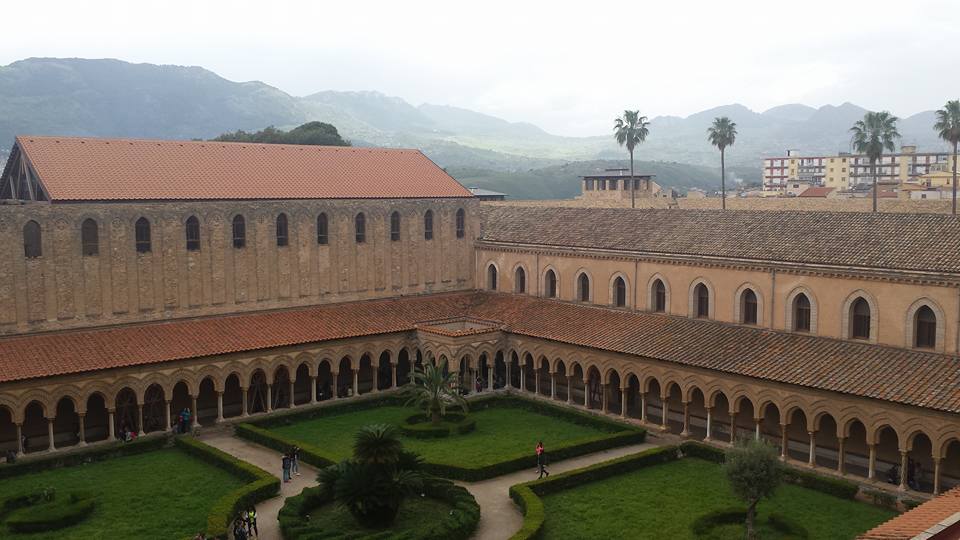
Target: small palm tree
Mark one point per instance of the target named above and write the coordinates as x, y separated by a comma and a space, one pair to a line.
948, 127
433, 389
722, 134
630, 130
871, 136
373, 484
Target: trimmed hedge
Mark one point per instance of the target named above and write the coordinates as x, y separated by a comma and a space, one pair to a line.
458, 524
703, 525
419, 426
618, 434
261, 484
57, 514
69, 458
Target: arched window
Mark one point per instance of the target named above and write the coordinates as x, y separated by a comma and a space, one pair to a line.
89, 238
702, 298
360, 225
860, 315
520, 281
282, 237
461, 223
141, 231
925, 328
193, 234
801, 313
492, 277
31, 240
748, 307
239, 232
583, 288
322, 229
659, 297
550, 284
428, 225
619, 292
395, 226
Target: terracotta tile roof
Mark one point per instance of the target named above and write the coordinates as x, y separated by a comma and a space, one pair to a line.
815, 192
905, 376
910, 524
84, 169
916, 242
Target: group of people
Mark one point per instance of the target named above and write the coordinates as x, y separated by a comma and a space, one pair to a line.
245, 524
290, 463
182, 424
914, 474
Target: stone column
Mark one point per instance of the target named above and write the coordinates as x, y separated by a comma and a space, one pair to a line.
784, 442
523, 378
51, 446
110, 425
336, 384
664, 413
313, 390
195, 417
604, 400
586, 395
490, 376
756, 428
509, 381
733, 427
872, 464
536, 381
841, 456
166, 416
709, 423
685, 432
812, 459
219, 407
643, 407
269, 398
570, 389
292, 400
140, 432
356, 382
623, 403
904, 461
83, 435
245, 411
20, 439
553, 386
393, 375
936, 476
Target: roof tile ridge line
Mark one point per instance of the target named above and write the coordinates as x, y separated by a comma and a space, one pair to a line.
214, 143
224, 316
800, 265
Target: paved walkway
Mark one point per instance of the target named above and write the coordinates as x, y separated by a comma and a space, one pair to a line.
268, 460
499, 517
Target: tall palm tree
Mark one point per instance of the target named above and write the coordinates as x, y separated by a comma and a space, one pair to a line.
948, 127
871, 136
433, 389
722, 133
630, 130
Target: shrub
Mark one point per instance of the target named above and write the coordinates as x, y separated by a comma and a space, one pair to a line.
881, 498
533, 512
309, 453
703, 451
824, 484
61, 512
420, 427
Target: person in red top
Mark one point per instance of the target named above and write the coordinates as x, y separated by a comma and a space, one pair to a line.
541, 460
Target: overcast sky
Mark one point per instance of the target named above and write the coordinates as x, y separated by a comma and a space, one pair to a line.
568, 69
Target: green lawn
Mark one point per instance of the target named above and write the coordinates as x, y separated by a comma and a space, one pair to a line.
415, 513
661, 501
158, 494
503, 432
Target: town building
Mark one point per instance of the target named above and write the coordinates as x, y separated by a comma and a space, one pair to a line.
614, 184
144, 277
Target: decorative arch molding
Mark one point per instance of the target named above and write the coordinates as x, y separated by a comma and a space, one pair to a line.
188, 378
789, 309
846, 320
875, 428
692, 299
214, 373
652, 297
910, 326
738, 304
627, 288
591, 288
138, 386
38, 396
486, 276
526, 278
543, 281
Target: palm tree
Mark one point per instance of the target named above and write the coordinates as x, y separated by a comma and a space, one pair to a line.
871, 136
433, 389
948, 127
722, 134
630, 130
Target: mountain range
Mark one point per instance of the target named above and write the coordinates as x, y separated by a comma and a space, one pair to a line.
120, 99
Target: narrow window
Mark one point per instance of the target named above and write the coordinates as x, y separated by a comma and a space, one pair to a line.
31, 240
193, 234
283, 238
703, 300
748, 309
461, 223
89, 238
860, 311
239, 232
801, 313
428, 225
925, 328
360, 224
659, 297
583, 288
395, 226
520, 281
322, 237
141, 232
550, 284
619, 292
492, 277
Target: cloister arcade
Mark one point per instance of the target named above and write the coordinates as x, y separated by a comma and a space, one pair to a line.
847, 435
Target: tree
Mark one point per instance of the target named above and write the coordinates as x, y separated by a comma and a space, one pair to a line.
722, 134
373, 483
433, 389
311, 133
754, 472
630, 130
948, 127
871, 136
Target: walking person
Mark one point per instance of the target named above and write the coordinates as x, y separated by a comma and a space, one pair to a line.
252, 522
239, 528
286, 463
295, 460
541, 461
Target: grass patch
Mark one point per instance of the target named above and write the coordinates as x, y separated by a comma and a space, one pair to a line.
159, 494
664, 500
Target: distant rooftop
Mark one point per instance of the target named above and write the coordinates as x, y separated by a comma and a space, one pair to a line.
480, 192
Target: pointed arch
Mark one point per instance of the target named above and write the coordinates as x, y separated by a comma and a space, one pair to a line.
748, 305
925, 325
702, 300
658, 294
801, 311
860, 317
